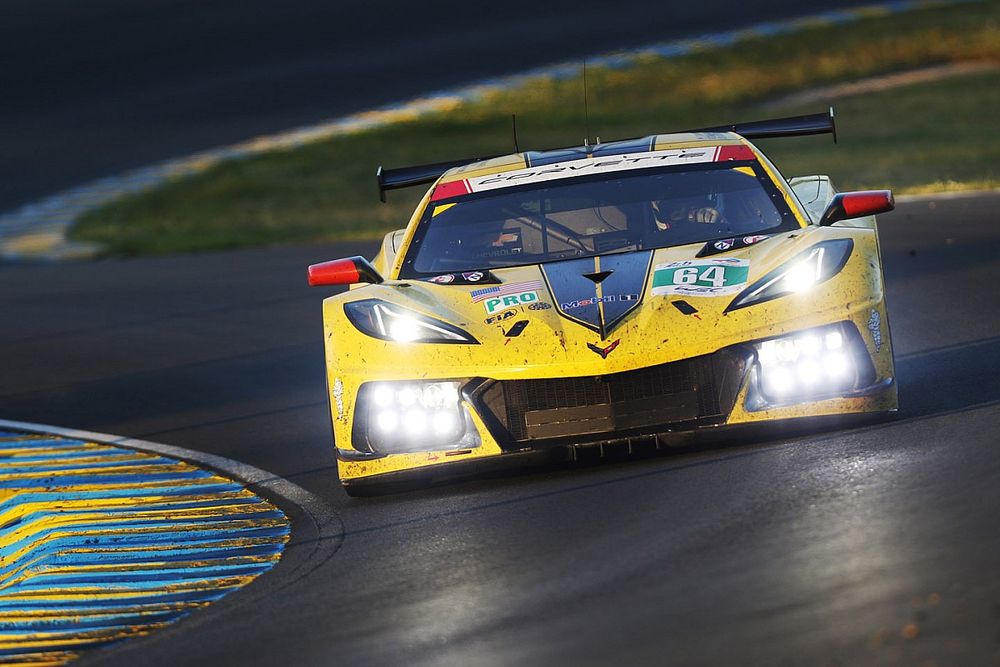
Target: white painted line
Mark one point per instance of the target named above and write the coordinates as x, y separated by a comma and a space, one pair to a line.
934, 196
877, 84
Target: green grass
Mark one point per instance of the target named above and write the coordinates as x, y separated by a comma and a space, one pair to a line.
943, 133
907, 138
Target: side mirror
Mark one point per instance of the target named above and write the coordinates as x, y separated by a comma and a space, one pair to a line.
343, 272
847, 205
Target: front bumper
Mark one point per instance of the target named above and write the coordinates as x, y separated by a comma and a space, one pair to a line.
689, 395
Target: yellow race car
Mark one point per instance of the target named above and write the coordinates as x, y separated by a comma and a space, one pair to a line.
608, 294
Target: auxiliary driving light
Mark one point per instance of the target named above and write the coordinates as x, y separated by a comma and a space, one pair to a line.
412, 416
818, 363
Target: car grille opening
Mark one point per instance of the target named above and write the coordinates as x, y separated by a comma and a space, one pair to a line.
692, 391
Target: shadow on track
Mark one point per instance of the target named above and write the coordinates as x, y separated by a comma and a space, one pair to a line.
932, 383
949, 379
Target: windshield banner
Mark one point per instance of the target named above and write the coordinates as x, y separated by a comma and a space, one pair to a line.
594, 165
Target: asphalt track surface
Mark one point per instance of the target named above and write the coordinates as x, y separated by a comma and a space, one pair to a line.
91, 89
868, 545
823, 548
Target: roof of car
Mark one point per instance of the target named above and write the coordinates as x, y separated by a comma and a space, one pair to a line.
656, 142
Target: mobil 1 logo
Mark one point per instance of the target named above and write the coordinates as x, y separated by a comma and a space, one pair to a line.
701, 277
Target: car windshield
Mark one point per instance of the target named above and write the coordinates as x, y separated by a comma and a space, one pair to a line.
580, 217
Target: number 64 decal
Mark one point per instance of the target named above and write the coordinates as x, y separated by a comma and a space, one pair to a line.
701, 277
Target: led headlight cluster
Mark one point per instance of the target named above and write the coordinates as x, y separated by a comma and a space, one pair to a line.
396, 417
381, 319
826, 361
808, 269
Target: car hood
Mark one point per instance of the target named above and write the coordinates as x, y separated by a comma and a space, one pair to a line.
606, 314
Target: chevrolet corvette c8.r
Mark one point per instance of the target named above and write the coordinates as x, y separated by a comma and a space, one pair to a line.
607, 294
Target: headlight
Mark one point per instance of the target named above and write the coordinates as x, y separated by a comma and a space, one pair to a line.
412, 416
387, 321
807, 269
809, 365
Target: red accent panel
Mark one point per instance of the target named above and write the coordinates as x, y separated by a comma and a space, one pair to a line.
452, 189
736, 152
867, 202
336, 272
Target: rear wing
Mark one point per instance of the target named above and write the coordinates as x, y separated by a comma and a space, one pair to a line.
793, 126
404, 177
